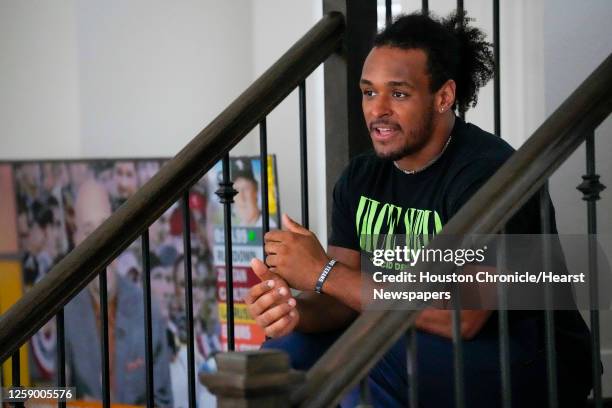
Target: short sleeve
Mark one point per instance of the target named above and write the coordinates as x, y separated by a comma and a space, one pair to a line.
343, 230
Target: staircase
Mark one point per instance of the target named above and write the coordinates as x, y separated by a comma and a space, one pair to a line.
263, 378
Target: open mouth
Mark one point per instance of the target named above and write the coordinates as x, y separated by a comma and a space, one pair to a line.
383, 133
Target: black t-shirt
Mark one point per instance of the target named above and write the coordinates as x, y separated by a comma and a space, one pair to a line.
373, 197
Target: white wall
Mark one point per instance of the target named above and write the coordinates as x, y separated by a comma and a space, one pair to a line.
154, 73
39, 100
117, 78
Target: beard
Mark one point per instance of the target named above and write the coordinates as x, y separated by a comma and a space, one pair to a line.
417, 138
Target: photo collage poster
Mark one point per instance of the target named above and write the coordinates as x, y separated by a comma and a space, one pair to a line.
58, 203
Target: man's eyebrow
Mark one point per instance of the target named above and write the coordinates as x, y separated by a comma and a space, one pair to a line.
390, 83
400, 83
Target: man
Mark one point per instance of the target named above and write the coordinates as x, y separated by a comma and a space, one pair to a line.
126, 324
246, 206
426, 166
125, 182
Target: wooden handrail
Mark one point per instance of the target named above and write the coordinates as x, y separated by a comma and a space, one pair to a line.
374, 332
82, 264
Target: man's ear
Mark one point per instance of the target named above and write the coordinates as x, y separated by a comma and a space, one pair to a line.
445, 96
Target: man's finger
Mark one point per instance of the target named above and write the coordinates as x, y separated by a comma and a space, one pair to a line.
293, 226
264, 302
261, 270
277, 236
281, 326
273, 314
274, 247
272, 260
257, 290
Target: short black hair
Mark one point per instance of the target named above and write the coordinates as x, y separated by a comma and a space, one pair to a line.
455, 50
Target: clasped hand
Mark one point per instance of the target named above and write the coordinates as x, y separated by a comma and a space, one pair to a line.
295, 259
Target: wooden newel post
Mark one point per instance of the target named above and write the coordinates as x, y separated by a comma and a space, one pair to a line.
253, 379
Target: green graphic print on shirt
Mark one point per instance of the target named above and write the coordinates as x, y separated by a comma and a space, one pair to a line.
376, 221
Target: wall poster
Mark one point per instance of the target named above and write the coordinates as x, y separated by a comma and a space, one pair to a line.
57, 204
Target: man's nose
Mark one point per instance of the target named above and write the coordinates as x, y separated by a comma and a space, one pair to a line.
380, 107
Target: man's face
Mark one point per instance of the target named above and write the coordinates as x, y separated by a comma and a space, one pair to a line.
397, 103
162, 288
246, 200
125, 178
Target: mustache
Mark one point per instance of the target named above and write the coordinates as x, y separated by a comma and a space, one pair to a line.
383, 123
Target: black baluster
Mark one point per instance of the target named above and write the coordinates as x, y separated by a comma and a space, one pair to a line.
425, 7
590, 188
16, 369
549, 316
411, 353
460, 14
189, 299
365, 399
504, 341
458, 349
263, 159
303, 154
496, 79
16, 373
104, 339
226, 195
388, 12
146, 286
61, 353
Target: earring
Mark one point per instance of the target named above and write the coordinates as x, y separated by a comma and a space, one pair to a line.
441, 109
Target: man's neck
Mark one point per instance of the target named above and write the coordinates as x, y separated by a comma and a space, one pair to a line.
252, 217
440, 133
111, 294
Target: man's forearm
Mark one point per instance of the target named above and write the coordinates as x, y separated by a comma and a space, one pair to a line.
344, 284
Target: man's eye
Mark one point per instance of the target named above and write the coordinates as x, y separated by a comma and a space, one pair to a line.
368, 92
398, 94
